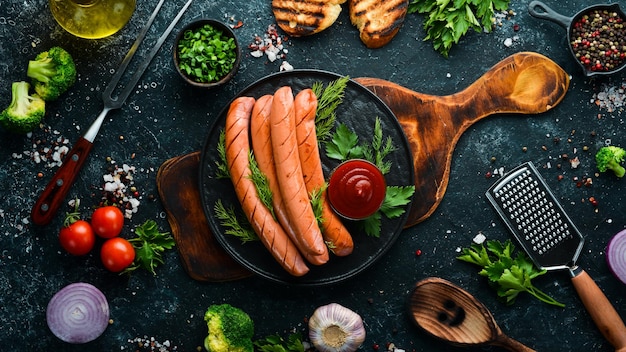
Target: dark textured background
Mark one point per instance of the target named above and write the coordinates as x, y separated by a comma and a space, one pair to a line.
165, 118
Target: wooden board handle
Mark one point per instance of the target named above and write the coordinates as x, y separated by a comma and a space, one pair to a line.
601, 310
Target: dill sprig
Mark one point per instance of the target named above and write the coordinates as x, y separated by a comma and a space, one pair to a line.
328, 98
378, 150
261, 183
222, 165
233, 226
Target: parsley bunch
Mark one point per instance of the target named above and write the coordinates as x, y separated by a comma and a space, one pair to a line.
507, 273
345, 145
448, 20
276, 343
149, 245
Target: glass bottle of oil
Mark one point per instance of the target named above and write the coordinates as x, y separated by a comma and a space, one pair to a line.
92, 19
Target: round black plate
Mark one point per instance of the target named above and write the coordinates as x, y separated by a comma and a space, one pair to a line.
359, 110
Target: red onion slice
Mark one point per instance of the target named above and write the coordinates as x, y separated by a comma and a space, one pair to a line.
616, 255
78, 313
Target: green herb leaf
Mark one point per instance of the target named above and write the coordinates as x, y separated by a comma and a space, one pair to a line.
234, 227
222, 165
344, 144
396, 198
328, 99
150, 244
261, 184
447, 21
379, 148
275, 343
509, 274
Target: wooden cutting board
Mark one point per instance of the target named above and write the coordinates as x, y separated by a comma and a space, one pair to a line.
202, 256
524, 83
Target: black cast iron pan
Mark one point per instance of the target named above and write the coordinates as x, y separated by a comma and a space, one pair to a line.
540, 10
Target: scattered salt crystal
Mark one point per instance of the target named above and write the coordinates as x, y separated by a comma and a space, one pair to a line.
110, 187
285, 66
508, 42
479, 239
271, 56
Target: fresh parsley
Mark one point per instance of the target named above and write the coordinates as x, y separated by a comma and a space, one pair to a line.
345, 145
508, 273
150, 244
276, 343
448, 20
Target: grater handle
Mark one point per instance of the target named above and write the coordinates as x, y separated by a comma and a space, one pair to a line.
601, 310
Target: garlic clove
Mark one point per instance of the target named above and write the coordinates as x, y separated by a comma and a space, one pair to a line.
335, 328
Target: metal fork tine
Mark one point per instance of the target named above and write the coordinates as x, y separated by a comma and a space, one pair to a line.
145, 63
107, 96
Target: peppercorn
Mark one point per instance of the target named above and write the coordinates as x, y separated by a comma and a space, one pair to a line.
598, 40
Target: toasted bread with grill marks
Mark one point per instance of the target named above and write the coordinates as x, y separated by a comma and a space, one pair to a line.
378, 21
305, 17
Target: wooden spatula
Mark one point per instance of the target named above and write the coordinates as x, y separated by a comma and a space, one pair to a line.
525, 83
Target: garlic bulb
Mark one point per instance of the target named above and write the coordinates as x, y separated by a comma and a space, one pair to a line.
335, 328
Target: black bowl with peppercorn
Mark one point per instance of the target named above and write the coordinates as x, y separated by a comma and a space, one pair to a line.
206, 53
596, 36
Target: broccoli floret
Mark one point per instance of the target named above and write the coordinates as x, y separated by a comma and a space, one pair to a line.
230, 329
25, 111
53, 72
610, 158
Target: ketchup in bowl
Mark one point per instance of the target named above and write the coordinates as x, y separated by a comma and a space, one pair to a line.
356, 189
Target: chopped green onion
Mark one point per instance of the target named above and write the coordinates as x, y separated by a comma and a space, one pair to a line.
206, 54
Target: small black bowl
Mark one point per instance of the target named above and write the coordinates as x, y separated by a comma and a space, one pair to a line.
217, 25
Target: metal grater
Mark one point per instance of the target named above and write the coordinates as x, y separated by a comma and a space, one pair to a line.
538, 222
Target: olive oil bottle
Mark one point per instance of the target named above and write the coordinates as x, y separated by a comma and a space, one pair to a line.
92, 19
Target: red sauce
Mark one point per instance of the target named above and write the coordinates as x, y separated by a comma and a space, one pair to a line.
356, 189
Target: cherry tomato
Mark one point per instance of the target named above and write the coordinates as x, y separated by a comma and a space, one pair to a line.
107, 221
77, 238
117, 254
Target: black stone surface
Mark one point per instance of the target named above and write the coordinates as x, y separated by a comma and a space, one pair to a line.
165, 118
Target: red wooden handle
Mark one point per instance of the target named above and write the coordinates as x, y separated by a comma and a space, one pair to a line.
53, 195
601, 310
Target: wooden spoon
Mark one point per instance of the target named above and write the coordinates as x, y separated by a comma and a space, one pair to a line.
450, 313
526, 83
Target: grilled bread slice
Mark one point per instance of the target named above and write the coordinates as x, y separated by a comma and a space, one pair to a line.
378, 21
305, 17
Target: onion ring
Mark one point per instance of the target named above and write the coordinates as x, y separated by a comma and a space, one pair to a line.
616, 255
78, 313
